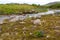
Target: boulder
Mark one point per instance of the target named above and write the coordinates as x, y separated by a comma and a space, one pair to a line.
37, 21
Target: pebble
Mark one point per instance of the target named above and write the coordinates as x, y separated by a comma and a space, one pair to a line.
34, 26
30, 16
16, 28
47, 36
5, 34
22, 22
24, 32
31, 33
24, 28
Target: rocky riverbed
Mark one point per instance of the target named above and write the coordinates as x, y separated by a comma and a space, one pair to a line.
47, 27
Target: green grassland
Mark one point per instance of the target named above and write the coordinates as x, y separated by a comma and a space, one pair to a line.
20, 8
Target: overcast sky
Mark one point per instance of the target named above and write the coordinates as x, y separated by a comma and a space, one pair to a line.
42, 2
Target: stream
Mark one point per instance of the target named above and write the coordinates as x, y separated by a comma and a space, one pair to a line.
22, 17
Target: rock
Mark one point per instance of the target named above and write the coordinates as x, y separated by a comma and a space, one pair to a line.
57, 32
30, 16
47, 36
34, 26
16, 28
16, 18
31, 33
37, 21
56, 28
1, 22
22, 22
5, 34
24, 28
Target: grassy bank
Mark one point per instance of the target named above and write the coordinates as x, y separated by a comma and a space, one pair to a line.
20, 8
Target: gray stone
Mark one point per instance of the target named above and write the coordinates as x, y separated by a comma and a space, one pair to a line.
37, 21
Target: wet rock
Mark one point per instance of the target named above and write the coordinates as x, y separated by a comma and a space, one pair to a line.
15, 19
12, 16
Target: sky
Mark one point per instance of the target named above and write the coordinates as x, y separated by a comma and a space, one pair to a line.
41, 2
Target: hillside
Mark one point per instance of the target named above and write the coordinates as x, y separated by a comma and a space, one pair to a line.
52, 3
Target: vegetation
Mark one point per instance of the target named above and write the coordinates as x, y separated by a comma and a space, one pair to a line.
49, 29
15, 8
39, 34
54, 6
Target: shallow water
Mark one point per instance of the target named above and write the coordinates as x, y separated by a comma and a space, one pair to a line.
22, 17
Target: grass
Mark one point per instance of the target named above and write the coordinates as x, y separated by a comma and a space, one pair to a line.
8, 9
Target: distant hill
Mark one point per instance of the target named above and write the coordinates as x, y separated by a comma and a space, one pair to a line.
52, 3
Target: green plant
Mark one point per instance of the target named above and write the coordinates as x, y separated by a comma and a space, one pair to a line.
39, 34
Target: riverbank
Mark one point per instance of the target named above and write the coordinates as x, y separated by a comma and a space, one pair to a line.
30, 28
9, 9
